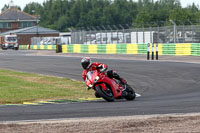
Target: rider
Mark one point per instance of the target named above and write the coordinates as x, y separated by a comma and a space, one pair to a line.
89, 66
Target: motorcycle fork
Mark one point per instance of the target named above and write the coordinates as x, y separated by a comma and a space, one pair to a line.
103, 86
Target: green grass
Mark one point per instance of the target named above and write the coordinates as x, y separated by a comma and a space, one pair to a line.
19, 87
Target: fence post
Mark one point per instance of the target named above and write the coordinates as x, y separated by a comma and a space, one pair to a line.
100, 36
111, 36
143, 34
192, 34
174, 29
183, 33
106, 36
137, 35
90, 36
117, 37
123, 34
151, 35
158, 37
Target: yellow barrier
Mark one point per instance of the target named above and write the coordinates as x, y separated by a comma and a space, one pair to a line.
111, 49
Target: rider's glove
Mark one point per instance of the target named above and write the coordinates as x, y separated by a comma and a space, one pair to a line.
88, 88
99, 67
103, 70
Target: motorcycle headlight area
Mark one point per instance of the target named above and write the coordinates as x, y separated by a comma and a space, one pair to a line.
96, 79
90, 85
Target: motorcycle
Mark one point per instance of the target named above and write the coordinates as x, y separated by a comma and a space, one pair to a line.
107, 88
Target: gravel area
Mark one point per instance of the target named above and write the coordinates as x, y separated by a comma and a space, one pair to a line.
176, 123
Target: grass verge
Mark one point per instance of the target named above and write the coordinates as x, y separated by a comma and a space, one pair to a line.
19, 87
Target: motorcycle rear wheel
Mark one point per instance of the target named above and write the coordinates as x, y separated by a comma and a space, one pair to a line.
131, 93
107, 95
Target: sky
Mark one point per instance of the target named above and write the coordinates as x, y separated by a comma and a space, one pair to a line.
22, 3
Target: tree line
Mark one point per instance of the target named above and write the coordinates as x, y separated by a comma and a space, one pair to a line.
64, 14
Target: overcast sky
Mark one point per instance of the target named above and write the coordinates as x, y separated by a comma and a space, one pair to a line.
22, 3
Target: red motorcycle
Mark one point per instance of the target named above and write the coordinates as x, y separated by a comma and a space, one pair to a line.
107, 88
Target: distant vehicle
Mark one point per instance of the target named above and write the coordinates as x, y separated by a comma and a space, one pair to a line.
9, 42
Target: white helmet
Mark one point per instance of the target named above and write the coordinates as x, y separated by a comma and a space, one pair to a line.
86, 62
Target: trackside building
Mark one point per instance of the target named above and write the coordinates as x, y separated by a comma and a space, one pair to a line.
24, 35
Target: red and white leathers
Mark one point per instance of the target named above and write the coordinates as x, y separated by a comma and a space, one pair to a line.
94, 66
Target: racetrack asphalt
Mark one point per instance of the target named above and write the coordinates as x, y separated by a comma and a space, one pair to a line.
166, 87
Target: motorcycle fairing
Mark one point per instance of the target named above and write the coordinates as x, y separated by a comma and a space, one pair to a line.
105, 80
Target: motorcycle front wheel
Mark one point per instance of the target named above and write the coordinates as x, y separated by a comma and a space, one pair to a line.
107, 95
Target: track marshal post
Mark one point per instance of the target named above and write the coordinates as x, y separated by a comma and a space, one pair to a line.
148, 52
156, 51
152, 56
152, 51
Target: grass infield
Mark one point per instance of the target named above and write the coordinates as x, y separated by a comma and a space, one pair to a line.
19, 87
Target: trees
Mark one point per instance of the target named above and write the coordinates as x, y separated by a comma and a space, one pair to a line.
179, 15
7, 6
33, 8
64, 14
142, 18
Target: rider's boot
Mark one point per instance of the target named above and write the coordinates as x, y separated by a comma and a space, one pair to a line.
116, 76
123, 81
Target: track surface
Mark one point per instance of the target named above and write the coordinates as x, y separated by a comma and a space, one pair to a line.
166, 87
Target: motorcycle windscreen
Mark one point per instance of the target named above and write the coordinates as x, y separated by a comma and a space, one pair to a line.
91, 75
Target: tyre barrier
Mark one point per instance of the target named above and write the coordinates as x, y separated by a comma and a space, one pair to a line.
58, 48
192, 49
37, 47
105, 48
161, 49
24, 47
